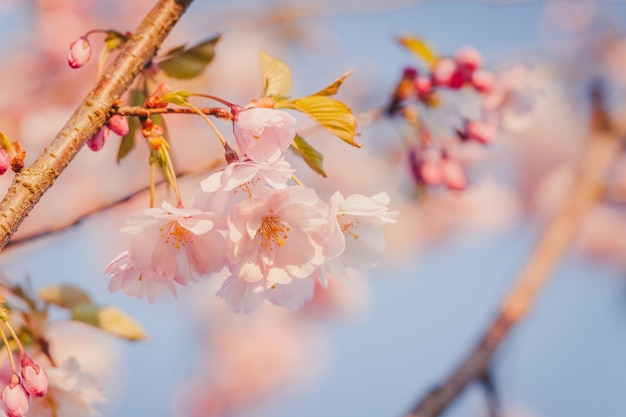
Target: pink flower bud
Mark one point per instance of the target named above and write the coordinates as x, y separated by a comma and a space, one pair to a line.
118, 124
79, 52
409, 72
97, 141
469, 58
34, 377
453, 174
480, 132
425, 171
482, 81
15, 398
5, 160
446, 73
423, 86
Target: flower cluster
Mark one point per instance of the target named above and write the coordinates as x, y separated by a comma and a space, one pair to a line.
446, 106
275, 238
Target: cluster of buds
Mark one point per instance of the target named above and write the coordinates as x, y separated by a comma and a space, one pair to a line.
33, 383
117, 124
428, 100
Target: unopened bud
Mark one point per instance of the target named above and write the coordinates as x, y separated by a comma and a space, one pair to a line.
34, 377
15, 398
118, 124
425, 171
5, 160
469, 58
480, 131
423, 86
230, 155
482, 81
453, 174
79, 52
446, 73
97, 141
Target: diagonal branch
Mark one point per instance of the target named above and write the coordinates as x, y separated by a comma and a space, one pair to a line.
602, 150
30, 184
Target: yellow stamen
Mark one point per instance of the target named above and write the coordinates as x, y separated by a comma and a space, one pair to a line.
347, 225
272, 231
176, 235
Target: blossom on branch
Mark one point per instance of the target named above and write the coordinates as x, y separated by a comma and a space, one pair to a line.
276, 239
263, 134
357, 239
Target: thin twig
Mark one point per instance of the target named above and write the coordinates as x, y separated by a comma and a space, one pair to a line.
31, 183
145, 112
602, 151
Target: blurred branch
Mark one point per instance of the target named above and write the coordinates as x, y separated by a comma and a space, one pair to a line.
602, 151
18, 240
31, 183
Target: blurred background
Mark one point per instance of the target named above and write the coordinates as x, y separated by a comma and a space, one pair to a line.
376, 345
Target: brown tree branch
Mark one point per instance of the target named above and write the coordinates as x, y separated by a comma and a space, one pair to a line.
146, 112
30, 184
602, 151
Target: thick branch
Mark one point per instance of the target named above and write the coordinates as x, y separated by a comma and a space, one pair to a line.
601, 153
29, 185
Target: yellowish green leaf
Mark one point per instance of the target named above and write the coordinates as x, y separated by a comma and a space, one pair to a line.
276, 76
334, 87
110, 320
328, 112
313, 158
419, 48
183, 64
66, 296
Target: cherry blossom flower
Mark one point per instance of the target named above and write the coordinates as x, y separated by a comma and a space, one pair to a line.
276, 238
180, 244
136, 282
238, 181
263, 134
96, 142
356, 239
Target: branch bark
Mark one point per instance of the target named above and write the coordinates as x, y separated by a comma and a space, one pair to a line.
31, 183
602, 150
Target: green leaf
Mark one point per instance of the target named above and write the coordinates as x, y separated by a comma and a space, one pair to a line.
177, 97
183, 64
328, 112
311, 156
66, 296
276, 76
110, 320
419, 48
332, 89
137, 98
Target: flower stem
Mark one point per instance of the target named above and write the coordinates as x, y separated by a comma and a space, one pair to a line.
201, 114
17, 339
6, 344
210, 97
